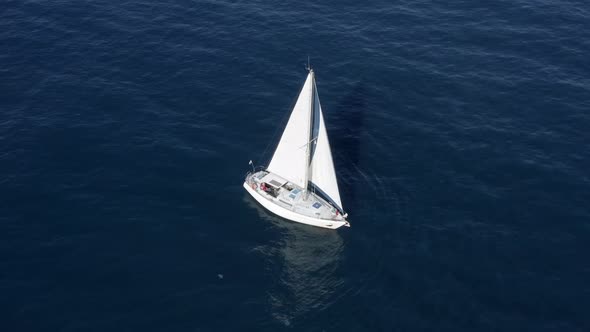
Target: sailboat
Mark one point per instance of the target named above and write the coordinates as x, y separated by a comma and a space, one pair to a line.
299, 183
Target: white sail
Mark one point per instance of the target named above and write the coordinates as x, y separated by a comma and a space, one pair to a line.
323, 175
290, 158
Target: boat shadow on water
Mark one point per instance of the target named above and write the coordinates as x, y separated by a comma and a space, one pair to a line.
346, 125
306, 261
363, 190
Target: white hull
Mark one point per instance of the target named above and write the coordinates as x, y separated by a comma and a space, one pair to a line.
290, 215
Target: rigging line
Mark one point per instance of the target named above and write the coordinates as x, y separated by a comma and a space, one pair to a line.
308, 143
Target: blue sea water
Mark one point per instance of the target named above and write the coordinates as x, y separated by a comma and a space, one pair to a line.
460, 137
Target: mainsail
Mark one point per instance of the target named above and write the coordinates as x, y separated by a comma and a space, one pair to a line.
306, 130
290, 158
323, 175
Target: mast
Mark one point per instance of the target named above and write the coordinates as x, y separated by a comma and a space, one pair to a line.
310, 133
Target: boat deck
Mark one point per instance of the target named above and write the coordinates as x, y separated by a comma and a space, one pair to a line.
291, 197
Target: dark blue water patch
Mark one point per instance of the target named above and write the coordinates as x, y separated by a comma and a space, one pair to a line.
459, 135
